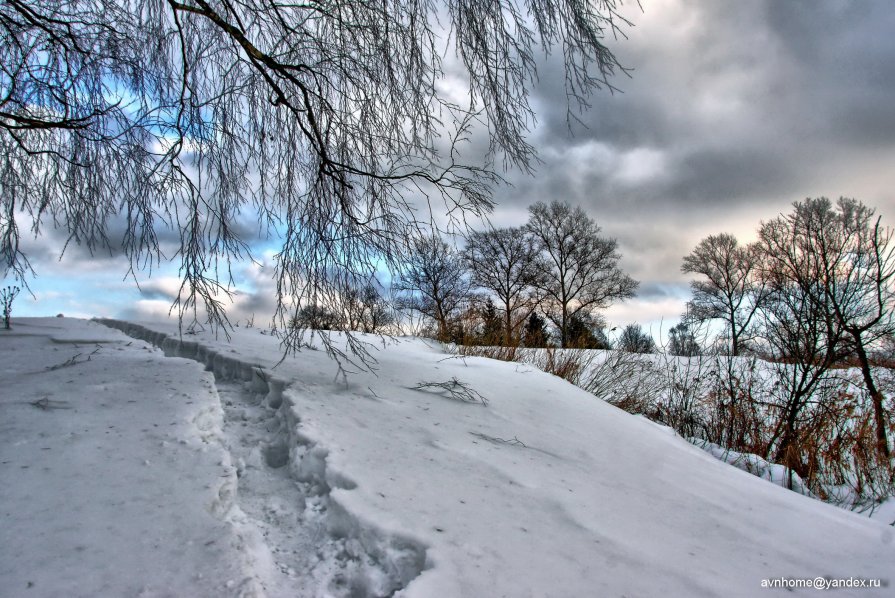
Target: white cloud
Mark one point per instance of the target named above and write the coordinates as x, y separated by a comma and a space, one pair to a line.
640, 165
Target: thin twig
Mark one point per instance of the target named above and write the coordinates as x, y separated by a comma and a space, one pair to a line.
494, 439
45, 404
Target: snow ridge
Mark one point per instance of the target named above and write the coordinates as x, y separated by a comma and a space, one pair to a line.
279, 499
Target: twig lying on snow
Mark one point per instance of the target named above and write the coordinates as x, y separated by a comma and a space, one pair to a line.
46, 404
73, 360
513, 441
455, 390
459, 356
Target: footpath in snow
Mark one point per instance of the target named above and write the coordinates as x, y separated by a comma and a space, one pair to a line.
221, 471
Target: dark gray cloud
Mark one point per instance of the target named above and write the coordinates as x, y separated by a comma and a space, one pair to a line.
159, 289
652, 290
845, 52
716, 176
55, 244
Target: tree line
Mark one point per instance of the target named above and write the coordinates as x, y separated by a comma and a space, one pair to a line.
538, 285
545, 281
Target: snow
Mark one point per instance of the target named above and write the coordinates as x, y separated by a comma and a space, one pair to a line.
110, 467
754, 464
221, 471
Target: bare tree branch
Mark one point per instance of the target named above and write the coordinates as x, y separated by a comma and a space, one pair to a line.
327, 123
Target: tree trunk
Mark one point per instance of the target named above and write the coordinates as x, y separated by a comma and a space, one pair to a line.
734, 340
876, 396
443, 331
508, 328
787, 453
564, 334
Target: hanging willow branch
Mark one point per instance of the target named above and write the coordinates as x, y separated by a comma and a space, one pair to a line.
177, 129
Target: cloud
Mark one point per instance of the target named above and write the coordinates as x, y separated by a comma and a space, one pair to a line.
161, 288
654, 314
146, 309
253, 296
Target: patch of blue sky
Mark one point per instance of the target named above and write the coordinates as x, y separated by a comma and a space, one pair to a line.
78, 293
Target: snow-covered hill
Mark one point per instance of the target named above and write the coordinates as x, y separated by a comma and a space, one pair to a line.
226, 473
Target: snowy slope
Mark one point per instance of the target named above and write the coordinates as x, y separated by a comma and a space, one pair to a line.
367, 486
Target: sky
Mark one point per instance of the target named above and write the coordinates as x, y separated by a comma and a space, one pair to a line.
731, 112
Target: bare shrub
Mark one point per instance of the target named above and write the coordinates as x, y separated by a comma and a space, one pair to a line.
454, 389
733, 404
847, 467
624, 379
7, 296
682, 402
739, 407
498, 352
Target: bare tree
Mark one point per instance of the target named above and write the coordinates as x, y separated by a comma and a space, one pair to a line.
503, 262
848, 267
682, 341
317, 317
802, 334
730, 291
366, 310
634, 339
433, 283
578, 272
325, 122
